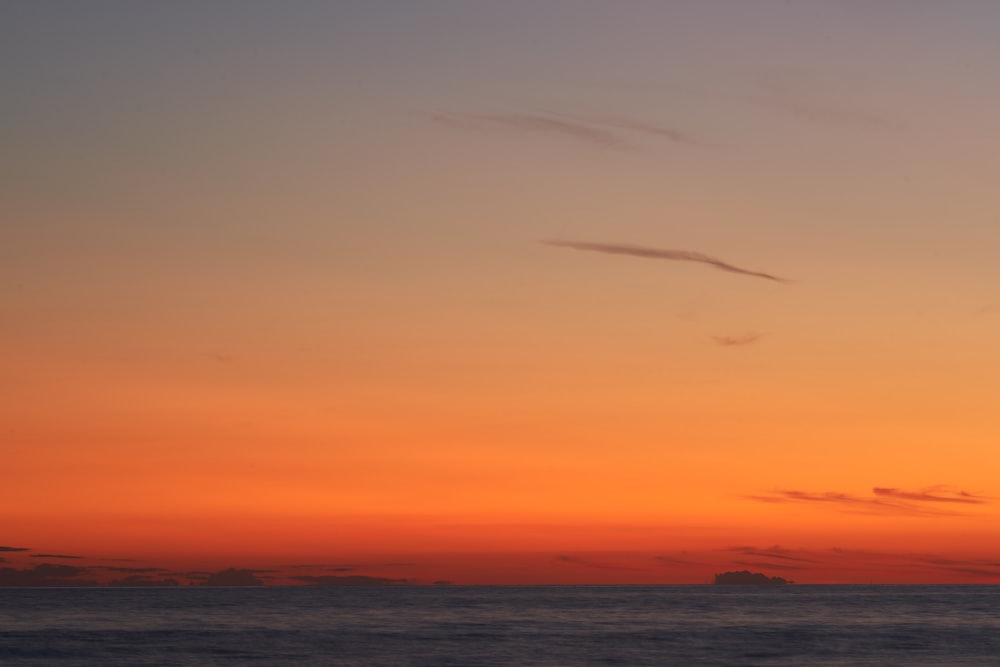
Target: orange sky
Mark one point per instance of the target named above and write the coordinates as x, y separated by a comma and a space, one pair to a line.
276, 291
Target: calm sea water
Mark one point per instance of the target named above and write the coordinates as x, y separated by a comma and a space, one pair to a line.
481, 626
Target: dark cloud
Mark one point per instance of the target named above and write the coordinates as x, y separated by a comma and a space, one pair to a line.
934, 494
233, 577
729, 341
346, 567
64, 556
135, 570
534, 123
14, 549
659, 253
937, 560
53, 570
140, 580
352, 580
45, 574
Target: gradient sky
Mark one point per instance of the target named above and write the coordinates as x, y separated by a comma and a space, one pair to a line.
380, 284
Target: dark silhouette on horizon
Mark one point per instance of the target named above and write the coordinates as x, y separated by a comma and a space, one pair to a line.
351, 580
142, 581
233, 577
748, 578
46, 574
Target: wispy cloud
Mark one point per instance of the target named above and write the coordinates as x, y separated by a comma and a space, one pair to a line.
8, 549
659, 131
730, 341
801, 93
817, 112
660, 253
882, 501
605, 132
933, 494
535, 123
772, 552
663, 132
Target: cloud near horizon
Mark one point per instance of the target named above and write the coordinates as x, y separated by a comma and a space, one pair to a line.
884, 500
772, 552
660, 253
128, 570
63, 556
766, 565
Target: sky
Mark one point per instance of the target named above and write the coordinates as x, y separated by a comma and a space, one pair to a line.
556, 291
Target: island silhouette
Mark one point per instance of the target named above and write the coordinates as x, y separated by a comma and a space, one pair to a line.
748, 578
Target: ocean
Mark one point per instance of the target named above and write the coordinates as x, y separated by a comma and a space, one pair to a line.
500, 625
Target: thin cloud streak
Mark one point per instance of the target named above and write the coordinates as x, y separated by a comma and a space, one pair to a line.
628, 124
660, 253
63, 556
793, 103
533, 123
847, 502
588, 130
883, 501
773, 552
731, 341
934, 494
663, 132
